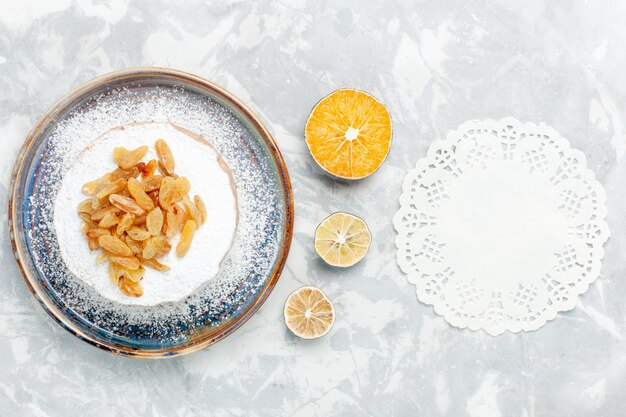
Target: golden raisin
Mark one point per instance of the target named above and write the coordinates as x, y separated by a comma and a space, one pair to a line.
201, 208
149, 169
155, 246
132, 172
126, 222
86, 218
134, 275
128, 262
138, 233
175, 220
185, 238
151, 183
126, 158
111, 188
167, 193
85, 207
154, 221
127, 204
134, 245
99, 214
166, 158
91, 187
182, 187
136, 190
103, 256
162, 246
154, 264
97, 203
140, 220
115, 272
130, 288
148, 251
109, 220
95, 233
192, 211
92, 243
115, 245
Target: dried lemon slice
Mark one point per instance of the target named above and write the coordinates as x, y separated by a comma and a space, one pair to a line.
309, 314
349, 133
342, 239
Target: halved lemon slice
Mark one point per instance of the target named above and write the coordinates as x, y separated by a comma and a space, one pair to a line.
349, 133
309, 314
342, 239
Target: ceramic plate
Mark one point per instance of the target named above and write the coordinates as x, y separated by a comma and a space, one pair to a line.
250, 269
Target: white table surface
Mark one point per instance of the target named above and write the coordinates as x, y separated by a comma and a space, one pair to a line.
435, 64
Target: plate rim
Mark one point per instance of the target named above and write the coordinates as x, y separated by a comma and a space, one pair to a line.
257, 125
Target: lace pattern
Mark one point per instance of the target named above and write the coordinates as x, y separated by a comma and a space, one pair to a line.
501, 226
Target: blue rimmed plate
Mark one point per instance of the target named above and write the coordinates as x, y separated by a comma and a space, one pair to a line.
251, 267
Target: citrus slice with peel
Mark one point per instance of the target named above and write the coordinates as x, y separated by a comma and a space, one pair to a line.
342, 239
309, 314
349, 133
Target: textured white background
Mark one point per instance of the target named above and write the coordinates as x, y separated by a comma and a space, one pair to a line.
436, 64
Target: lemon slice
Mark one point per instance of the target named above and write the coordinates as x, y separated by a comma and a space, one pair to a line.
342, 239
309, 314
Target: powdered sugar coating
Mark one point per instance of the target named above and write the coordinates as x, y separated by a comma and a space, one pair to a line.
245, 268
195, 160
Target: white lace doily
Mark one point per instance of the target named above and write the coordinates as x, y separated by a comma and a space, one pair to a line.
501, 226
